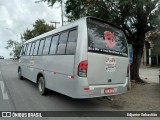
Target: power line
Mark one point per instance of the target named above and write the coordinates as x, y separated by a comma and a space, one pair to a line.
61, 2
55, 23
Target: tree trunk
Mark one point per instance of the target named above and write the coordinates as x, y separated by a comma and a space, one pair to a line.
137, 56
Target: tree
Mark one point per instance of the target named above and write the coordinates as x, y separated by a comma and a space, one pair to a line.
154, 40
135, 17
14, 46
28, 34
153, 37
39, 27
51, 2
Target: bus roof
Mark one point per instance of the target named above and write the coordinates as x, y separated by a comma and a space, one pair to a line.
65, 27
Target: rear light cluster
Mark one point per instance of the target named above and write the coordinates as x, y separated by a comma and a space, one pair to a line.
82, 68
128, 70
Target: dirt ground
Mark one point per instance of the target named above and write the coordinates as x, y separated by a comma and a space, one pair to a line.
141, 97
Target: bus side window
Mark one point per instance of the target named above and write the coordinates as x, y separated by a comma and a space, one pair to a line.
32, 48
54, 44
23, 50
29, 48
62, 43
47, 45
41, 47
71, 44
26, 48
36, 48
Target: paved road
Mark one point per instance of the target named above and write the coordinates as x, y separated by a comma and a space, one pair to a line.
22, 95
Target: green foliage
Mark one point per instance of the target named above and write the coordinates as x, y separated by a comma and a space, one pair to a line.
28, 34
17, 50
14, 46
76, 9
134, 16
51, 2
39, 27
155, 39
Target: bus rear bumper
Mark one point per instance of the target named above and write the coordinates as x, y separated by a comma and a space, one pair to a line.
103, 90
100, 92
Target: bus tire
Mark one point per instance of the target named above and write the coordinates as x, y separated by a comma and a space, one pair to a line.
41, 86
20, 74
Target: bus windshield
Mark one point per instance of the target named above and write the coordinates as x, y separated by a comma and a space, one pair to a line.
106, 39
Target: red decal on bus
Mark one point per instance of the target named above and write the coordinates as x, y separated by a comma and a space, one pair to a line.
110, 39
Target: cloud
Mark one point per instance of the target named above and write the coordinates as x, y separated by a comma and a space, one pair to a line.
18, 15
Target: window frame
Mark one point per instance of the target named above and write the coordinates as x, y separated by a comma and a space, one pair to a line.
28, 47
43, 39
57, 34
33, 43
112, 26
49, 45
37, 47
75, 40
59, 42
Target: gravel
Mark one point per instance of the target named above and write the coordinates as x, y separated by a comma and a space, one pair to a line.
141, 97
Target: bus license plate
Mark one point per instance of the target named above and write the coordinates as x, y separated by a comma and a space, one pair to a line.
109, 90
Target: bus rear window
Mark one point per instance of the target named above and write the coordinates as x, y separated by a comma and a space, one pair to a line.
106, 39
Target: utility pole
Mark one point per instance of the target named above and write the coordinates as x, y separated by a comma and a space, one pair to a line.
61, 2
62, 11
55, 23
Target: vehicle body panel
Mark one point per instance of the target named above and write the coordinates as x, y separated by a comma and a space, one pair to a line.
60, 71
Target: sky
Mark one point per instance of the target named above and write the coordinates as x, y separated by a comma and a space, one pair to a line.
18, 15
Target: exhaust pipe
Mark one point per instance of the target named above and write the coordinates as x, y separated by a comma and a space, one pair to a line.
109, 98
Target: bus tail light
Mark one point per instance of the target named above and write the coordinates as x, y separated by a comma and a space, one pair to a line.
82, 68
86, 88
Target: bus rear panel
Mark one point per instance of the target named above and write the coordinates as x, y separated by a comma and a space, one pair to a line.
105, 68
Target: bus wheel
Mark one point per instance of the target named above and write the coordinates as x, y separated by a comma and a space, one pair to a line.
41, 86
20, 74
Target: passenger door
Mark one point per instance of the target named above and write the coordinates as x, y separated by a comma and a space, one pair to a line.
31, 62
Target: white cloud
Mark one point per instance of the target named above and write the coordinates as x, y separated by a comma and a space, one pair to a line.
18, 15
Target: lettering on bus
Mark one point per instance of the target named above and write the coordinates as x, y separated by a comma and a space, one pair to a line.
110, 65
107, 51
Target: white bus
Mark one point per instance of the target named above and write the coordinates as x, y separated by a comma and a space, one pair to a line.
84, 59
